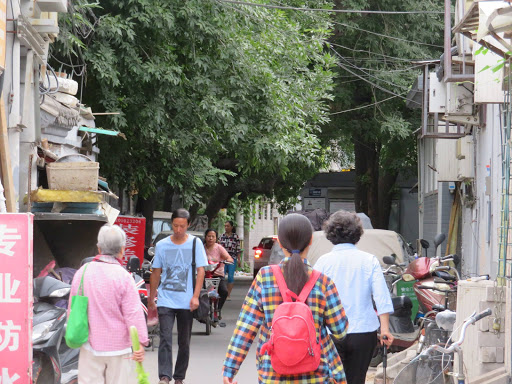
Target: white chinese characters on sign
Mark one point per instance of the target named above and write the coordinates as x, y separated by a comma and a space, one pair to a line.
8, 289
9, 336
6, 378
130, 229
7, 235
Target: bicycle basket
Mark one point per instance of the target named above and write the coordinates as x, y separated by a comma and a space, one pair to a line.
212, 283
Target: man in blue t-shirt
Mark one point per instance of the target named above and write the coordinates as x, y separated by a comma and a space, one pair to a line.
172, 275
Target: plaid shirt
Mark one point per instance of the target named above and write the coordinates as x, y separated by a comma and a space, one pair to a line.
257, 313
231, 244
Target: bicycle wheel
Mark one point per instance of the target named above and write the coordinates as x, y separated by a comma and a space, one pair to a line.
429, 370
208, 323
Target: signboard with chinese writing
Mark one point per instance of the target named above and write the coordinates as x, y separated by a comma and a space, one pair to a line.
405, 288
135, 228
16, 298
315, 192
311, 204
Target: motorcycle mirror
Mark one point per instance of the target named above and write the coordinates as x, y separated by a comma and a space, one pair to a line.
49, 287
424, 243
438, 240
389, 260
133, 264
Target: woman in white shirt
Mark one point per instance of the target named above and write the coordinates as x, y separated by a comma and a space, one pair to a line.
358, 278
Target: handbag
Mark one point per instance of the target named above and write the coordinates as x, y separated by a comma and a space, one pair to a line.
202, 312
77, 328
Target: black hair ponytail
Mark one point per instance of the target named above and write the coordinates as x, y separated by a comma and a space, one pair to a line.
295, 232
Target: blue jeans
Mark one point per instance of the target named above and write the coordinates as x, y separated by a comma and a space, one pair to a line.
184, 319
230, 269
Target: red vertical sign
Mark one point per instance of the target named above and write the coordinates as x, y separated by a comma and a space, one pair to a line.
135, 229
16, 299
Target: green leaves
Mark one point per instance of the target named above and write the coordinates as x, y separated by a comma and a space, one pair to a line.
211, 95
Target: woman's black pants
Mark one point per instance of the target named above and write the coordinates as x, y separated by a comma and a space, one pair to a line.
356, 351
223, 292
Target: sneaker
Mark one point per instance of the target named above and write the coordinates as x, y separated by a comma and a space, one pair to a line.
178, 381
164, 380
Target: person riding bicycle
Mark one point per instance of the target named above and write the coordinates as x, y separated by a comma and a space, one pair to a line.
215, 254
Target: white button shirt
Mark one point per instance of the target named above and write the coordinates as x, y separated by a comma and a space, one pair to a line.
357, 276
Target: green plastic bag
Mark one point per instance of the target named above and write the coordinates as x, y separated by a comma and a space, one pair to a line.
77, 329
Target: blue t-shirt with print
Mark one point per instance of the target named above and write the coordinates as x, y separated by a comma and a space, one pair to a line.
175, 290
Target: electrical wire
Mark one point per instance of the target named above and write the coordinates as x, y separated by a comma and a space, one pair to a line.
364, 106
376, 85
373, 53
270, 6
369, 75
386, 36
339, 23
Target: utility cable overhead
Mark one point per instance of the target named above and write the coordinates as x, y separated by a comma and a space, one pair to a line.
372, 53
375, 85
364, 106
270, 6
386, 36
366, 73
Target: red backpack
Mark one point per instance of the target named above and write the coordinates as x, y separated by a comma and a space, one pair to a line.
294, 347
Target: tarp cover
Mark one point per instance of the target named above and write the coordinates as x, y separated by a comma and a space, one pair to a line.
379, 242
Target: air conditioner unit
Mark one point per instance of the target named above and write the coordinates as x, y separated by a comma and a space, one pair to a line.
459, 99
446, 160
52, 5
437, 95
465, 157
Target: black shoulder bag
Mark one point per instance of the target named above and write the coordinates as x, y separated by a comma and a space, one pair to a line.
202, 312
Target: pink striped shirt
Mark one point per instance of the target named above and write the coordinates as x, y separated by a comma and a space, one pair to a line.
215, 254
114, 305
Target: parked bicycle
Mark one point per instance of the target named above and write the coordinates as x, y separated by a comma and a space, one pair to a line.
435, 362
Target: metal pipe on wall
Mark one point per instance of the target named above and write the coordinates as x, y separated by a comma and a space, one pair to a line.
11, 92
28, 168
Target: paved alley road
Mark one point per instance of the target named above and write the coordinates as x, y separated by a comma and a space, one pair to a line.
207, 352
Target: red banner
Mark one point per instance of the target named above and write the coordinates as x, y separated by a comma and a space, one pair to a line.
135, 228
16, 298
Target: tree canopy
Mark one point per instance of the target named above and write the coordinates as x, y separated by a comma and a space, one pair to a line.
220, 100
215, 100
370, 120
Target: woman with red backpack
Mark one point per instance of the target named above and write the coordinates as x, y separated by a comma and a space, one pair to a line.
293, 307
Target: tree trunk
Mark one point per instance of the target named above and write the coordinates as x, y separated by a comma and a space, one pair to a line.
366, 197
386, 185
219, 200
373, 183
360, 194
168, 194
146, 207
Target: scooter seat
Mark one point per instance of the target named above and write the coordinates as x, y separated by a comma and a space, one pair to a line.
438, 307
445, 276
401, 302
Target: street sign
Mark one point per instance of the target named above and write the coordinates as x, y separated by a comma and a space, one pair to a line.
135, 229
16, 300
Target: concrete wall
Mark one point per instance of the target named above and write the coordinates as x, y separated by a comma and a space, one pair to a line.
481, 214
484, 349
257, 227
431, 225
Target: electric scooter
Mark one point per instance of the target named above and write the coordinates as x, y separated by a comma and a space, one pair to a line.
53, 361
